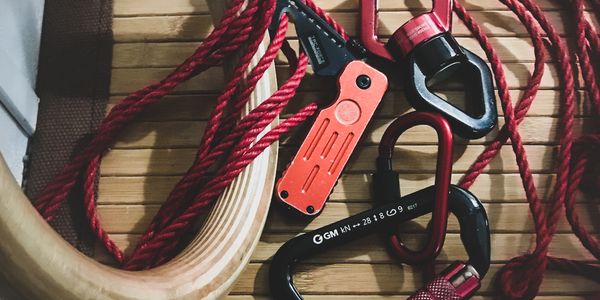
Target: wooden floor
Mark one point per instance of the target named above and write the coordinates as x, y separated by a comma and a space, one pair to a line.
152, 36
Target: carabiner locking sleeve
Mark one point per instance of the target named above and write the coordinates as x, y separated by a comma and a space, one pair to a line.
472, 218
427, 50
386, 181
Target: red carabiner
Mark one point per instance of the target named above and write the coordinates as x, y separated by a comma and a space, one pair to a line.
442, 180
408, 36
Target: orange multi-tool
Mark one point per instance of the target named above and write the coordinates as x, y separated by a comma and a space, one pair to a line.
310, 177
314, 171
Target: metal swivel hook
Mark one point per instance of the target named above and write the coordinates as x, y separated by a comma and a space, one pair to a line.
409, 35
427, 51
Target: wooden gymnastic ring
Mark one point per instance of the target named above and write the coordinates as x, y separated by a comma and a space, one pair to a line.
39, 264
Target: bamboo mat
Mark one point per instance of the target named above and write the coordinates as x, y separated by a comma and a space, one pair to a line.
152, 36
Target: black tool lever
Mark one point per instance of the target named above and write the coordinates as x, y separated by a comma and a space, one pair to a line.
327, 50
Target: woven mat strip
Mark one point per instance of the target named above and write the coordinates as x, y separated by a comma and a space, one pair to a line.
73, 86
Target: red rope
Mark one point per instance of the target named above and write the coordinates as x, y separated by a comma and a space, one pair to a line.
227, 136
522, 276
230, 138
212, 51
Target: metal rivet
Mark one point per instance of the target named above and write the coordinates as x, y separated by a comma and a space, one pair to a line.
284, 194
363, 82
310, 209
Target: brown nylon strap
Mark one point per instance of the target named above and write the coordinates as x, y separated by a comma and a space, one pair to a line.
73, 86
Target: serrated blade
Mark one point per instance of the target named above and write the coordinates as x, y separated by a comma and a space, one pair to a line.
327, 50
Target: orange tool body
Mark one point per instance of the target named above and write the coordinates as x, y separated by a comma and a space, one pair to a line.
309, 179
314, 171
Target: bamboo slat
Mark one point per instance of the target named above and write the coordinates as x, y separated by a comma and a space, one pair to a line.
505, 217
196, 27
153, 36
188, 7
377, 297
123, 80
364, 250
169, 54
131, 190
408, 159
184, 134
196, 107
352, 279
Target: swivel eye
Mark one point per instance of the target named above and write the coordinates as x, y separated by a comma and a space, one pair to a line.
386, 182
417, 30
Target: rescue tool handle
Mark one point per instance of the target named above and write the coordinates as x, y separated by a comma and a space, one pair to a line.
309, 179
462, 203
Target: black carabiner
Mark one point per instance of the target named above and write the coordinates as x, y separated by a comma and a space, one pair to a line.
475, 234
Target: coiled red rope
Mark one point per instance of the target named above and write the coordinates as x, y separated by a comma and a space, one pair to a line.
522, 276
233, 139
227, 136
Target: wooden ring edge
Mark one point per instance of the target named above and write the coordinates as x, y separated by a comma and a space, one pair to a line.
40, 264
